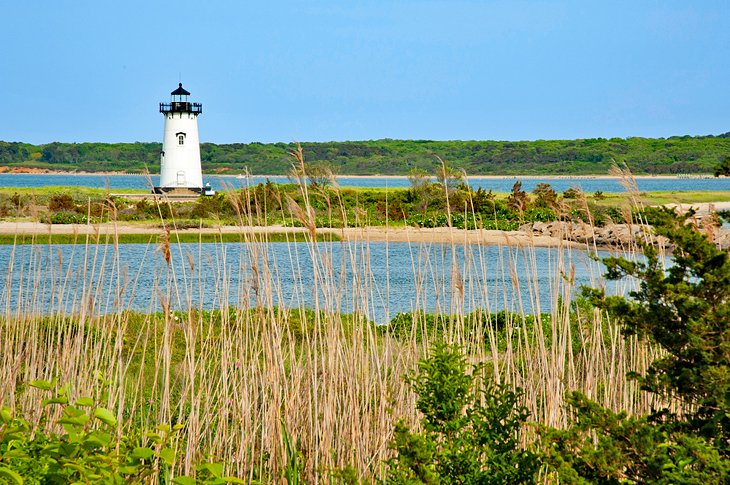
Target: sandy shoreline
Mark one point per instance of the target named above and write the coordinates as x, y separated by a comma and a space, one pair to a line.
371, 233
407, 234
702, 207
365, 234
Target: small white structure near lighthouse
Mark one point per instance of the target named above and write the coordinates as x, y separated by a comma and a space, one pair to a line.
180, 169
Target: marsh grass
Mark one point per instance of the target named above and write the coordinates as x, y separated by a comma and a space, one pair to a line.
260, 384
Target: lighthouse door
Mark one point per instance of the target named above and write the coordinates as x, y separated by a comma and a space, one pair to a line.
181, 178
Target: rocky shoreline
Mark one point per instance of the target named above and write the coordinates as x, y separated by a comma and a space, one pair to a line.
614, 236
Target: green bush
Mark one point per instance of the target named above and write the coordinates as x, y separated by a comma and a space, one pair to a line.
540, 214
64, 217
571, 193
61, 202
685, 310
602, 446
471, 428
90, 449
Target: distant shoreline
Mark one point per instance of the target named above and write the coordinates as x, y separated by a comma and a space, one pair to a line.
394, 177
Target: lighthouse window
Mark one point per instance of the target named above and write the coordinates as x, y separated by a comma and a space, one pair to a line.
180, 139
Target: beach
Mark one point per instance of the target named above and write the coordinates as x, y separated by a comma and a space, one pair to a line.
373, 234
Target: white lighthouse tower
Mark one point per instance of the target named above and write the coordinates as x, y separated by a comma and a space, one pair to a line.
180, 159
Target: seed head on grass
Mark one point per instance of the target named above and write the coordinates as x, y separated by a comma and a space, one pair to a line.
628, 182
164, 246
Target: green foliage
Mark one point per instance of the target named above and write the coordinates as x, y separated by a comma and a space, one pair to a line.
418, 178
518, 199
65, 217
685, 309
482, 201
292, 471
471, 428
603, 215
723, 215
723, 168
545, 196
90, 448
540, 214
674, 155
448, 176
571, 193
61, 202
500, 325
602, 446
319, 174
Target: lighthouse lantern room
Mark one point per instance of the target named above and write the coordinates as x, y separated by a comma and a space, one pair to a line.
180, 158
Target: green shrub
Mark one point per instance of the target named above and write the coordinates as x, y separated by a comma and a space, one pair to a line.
601, 446
545, 195
64, 217
471, 428
540, 214
685, 310
61, 202
89, 449
571, 193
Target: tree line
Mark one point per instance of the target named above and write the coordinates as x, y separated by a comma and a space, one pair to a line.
673, 155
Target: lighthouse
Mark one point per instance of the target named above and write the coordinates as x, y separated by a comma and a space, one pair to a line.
180, 158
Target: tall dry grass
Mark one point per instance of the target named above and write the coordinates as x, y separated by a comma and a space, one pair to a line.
238, 379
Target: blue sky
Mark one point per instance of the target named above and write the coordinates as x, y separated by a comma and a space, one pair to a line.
77, 71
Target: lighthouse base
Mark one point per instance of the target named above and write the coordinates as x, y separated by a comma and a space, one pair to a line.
183, 191
178, 190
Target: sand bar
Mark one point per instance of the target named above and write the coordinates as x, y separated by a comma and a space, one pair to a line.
374, 234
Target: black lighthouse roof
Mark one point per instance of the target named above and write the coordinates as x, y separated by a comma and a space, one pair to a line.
180, 91
180, 104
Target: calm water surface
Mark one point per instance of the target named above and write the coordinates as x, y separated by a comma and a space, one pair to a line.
588, 185
377, 279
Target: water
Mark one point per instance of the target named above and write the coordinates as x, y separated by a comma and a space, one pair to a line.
588, 185
376, 279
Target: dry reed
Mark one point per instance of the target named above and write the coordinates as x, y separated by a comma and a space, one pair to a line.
239, 377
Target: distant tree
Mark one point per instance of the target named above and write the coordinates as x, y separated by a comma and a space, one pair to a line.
518, 198
545, 195
61, 202
418, 179
419, 192
449, 177
723, 168
482, 200
645, 155
570, 193
320, 174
